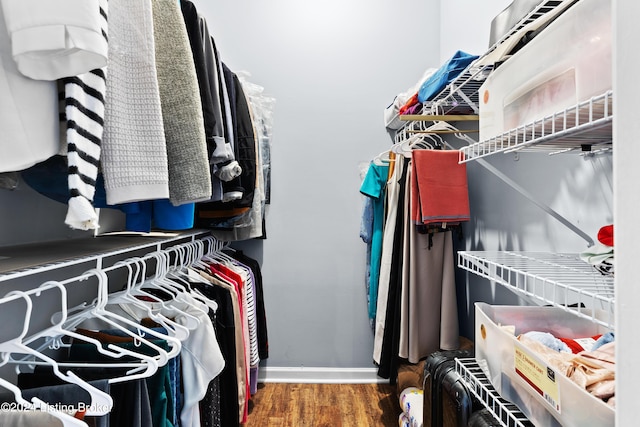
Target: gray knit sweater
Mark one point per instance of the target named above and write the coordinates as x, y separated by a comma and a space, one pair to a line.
189, 177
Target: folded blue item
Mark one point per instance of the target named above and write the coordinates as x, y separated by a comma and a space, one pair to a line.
445, 75
604, 339
548, 340
50, 178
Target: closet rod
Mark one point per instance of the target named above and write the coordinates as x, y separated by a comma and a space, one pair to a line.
442, 131
439, 117
127, 262
98, 258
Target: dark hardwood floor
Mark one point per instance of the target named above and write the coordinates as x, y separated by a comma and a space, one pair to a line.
324, 405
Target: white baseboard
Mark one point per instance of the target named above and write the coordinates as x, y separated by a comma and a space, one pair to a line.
300, 375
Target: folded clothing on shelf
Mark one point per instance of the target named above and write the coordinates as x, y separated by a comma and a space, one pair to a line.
447, 72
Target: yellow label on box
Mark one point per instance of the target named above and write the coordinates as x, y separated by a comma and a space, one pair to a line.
539, 376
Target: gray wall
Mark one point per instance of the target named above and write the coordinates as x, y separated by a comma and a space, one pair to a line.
28, 217
578, 188
333, 67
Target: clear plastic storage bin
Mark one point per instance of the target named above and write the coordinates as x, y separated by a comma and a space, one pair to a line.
552, 399
567, 63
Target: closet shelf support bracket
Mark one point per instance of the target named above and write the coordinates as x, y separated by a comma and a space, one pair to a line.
511, 183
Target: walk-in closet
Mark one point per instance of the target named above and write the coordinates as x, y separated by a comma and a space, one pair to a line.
213, 212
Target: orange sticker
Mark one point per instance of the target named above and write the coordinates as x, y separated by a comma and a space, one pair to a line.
485, 96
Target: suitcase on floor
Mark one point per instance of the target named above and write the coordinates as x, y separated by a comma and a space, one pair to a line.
447, 401
483, 418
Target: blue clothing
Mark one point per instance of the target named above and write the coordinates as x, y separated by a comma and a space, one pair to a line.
366, 224
548, 340
49, 178
447, 72
604, 339
374, 186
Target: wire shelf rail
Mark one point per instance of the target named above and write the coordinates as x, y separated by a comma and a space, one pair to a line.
584, 127
508, 414
96, 259
559, 279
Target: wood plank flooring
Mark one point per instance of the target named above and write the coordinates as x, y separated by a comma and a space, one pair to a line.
324, 405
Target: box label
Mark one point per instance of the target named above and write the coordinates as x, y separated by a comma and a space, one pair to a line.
539, 376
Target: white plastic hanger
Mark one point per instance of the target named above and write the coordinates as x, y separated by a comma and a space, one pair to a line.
383, 158
127, 298
197, 256
101, 402
187, 255
98, 311
179, 292
106, 315
9, 345
145, 367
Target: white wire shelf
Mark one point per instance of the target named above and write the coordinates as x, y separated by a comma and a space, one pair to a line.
461, 96
559, 279
458, 98
25, 260
505, 412
585, 127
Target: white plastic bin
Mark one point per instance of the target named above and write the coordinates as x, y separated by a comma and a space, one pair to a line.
567, 63
558, 402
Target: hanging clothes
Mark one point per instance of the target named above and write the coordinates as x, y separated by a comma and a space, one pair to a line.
417, 307
83, 119
386, 258
133, 112
51, 41
24, 103
225, 328
189, 179
390, 346
242, 373
374, 186
429, 320
238, 193
439, 188
207, 74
